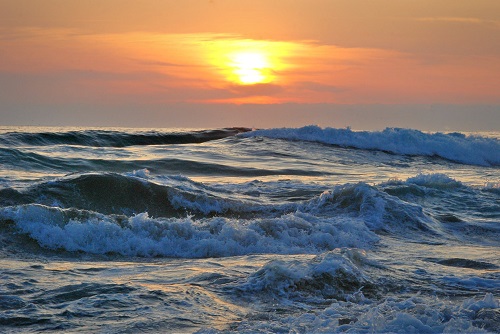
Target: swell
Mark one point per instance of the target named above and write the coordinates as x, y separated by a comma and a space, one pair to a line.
16, 159
457, 147
449, 200
100, 138
104, 193
133, 193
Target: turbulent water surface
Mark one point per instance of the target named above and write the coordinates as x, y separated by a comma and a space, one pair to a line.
305, 230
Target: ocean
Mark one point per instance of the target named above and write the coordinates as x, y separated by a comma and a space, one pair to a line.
291, 230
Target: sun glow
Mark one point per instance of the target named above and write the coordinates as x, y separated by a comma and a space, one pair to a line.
251, 67
248, 62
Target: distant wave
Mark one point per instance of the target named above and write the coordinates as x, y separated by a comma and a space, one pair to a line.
101, 138
457, 147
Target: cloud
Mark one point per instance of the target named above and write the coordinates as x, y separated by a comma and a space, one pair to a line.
162, 63
464, 20
255, 90
319, 87
99, 88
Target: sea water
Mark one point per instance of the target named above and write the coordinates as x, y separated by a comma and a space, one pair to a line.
307, 230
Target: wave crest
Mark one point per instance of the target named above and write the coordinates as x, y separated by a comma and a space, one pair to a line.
335, 274
457, 147
140, 235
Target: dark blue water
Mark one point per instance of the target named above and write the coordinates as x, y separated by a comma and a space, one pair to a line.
221, 230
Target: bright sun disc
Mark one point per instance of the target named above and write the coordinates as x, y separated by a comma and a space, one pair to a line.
251, 67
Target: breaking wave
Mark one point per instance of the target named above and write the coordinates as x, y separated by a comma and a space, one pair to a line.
457, 147
140, 235
134, 215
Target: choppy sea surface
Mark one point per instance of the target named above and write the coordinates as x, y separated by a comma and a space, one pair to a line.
306, 230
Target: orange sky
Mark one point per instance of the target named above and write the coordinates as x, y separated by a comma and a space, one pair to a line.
75, 57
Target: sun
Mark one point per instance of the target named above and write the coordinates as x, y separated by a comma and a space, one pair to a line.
250, 67
246, 62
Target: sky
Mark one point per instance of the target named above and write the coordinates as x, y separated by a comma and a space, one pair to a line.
425, 64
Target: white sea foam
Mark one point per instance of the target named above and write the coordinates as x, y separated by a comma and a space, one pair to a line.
431, 180
140, 173
332, 274
436, 180
472, 282
141, 235
377, 209
346, 216
457, 147
489, 302
416, 314
341, 277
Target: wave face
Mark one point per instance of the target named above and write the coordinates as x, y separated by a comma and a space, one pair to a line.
304, 230
457, 147
109, 138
